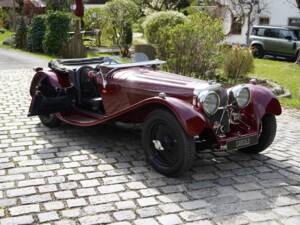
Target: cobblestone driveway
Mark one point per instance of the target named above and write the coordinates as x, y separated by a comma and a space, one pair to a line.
98, 175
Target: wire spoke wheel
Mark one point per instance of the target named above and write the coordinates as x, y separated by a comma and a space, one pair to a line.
167, 147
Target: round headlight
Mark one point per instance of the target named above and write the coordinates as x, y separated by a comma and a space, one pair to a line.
242, 95
210, 101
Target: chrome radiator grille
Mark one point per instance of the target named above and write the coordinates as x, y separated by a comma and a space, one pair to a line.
220, 119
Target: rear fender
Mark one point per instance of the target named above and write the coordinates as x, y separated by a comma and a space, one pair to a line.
264, 101
59, 99
41, 75
192, 121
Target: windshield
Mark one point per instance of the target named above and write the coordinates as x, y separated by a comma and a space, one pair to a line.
297, 34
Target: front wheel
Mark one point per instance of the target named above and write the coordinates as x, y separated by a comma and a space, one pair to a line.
49, 120
167, 146
267, 135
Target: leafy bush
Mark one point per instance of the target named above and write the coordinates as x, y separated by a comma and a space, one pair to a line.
238, 62
120, 15
57, 28
59, 5
191, 48
3, 18
36, 32
21, 34
94, 19
159, 21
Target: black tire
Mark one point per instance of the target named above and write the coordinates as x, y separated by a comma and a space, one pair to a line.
295, 58
49, 120
258, 51
267, 135
178, 149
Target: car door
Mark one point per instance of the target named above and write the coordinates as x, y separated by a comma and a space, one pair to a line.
271, 40
286, 43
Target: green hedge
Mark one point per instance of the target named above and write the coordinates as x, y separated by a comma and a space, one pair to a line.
57, 28
36, 33
21, 34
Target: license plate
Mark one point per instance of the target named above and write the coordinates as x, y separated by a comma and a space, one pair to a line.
242, 142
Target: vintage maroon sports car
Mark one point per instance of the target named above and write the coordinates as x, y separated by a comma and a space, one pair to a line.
179, 114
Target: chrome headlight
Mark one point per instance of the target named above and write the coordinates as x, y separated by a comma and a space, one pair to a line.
242, 96
210, 101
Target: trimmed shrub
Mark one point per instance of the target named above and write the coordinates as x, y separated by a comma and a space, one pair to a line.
21, 34
238, 62
57, 28
159, 21
126, 38
36, 32
191, 48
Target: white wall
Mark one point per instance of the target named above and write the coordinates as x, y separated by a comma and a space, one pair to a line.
277, 10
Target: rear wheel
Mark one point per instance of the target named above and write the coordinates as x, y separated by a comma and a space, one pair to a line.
267, 135
295, 58
167, 147
257, 51
49, 120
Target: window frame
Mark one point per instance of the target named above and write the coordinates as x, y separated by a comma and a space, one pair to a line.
262, 18
236, 26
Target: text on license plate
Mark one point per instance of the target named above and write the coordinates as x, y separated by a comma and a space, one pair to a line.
242, 142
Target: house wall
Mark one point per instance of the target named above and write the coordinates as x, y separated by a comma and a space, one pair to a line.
279, 12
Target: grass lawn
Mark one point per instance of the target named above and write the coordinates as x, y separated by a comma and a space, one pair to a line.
284, 73
4, 36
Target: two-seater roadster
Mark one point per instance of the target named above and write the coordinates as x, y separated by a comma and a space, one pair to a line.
178, 114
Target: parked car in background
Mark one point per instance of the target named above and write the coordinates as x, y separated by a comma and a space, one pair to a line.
178, 114
275, 41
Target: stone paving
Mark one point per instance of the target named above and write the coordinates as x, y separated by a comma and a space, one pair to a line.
98, 175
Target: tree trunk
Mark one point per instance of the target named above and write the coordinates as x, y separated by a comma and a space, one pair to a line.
14, 16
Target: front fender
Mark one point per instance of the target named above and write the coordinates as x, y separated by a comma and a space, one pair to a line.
264, 101
192, 121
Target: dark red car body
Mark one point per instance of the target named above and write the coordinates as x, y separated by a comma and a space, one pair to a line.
132, 92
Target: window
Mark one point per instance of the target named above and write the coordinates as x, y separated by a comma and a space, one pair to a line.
264, 20
273, 33
294, 22
284, 34
258, 31
261, 32
236, 26
296, 34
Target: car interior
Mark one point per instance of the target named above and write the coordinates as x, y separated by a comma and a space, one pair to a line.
83, 74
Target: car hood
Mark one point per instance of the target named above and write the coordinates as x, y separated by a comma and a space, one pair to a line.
157, 81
